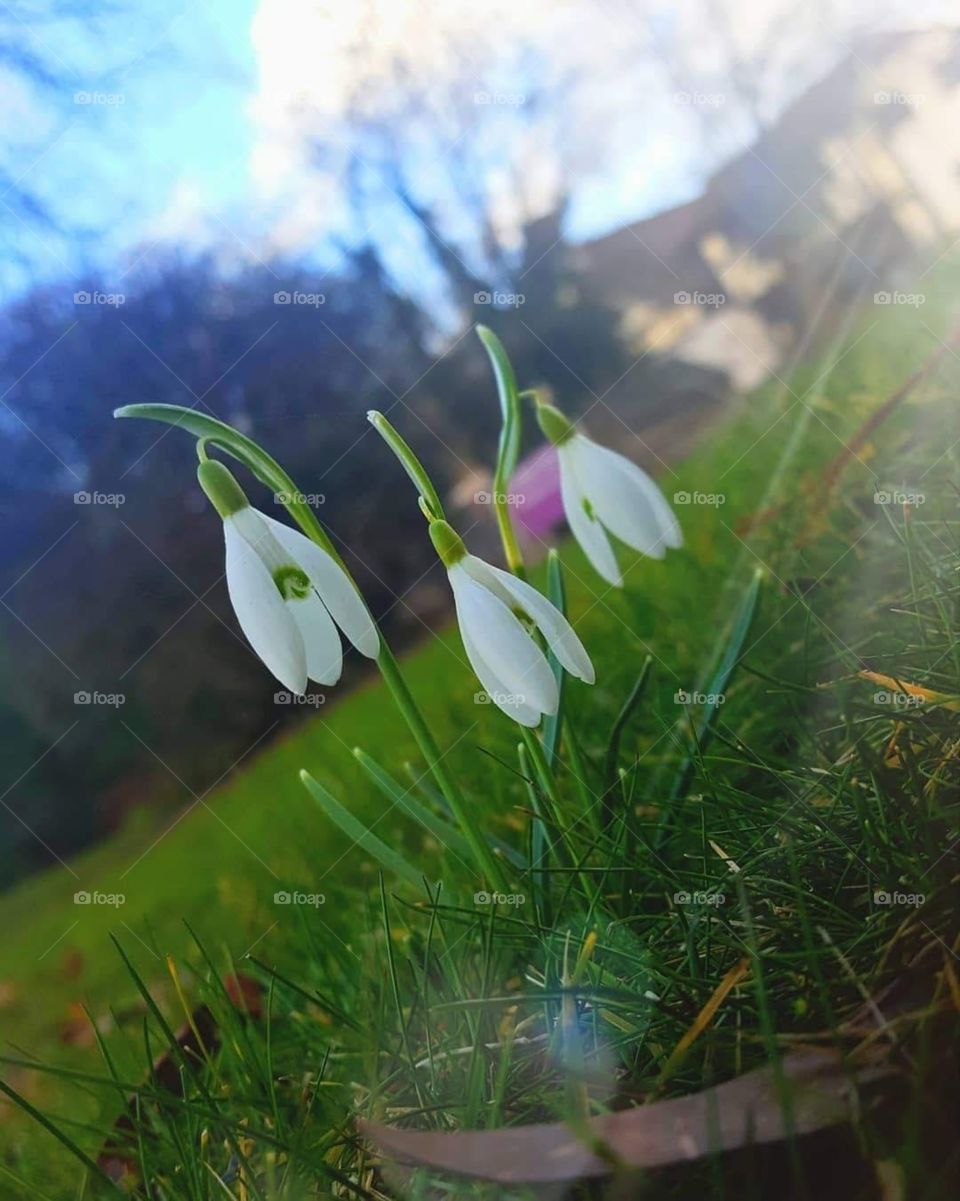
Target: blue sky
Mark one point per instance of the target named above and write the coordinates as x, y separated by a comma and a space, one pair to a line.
171, 129
170, 92
168, 150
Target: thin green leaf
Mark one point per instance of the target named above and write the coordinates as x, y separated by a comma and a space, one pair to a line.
446, 834
729, 659
611, 777
508, 450
359, 833
55, 1130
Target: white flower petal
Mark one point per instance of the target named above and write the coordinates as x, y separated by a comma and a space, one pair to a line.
506, 701
320, 639
558, 632
502, 643
342, 600
625, 498
261, 611
587, 530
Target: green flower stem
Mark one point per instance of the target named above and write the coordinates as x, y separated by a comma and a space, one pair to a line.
403, 698
266, 469
269, 472
508, 450
409, 461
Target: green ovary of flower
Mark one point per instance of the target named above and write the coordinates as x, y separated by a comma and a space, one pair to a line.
292, 583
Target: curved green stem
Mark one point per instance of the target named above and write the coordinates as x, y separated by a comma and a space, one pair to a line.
508, 450
266, 469
410, 463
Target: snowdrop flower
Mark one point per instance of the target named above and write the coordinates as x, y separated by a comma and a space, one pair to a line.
604, 492
289, 595
497, 614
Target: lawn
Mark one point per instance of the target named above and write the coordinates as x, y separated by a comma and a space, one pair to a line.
761, 831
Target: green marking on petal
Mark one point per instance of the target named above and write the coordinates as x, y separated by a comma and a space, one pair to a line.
522, 615
588, 509
292, 582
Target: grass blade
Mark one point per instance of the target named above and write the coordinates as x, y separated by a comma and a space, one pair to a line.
359, 833
729, 659
611, 778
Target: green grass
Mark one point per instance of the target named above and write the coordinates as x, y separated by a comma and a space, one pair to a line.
790, 804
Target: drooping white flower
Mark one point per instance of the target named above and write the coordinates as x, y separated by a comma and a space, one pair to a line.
289, 595
497, 614
604, 492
